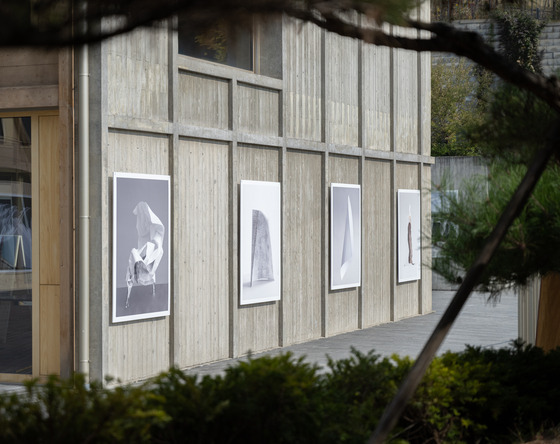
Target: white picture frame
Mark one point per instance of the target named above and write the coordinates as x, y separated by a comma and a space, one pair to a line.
141, 259
260, 228
409, 241
346, 239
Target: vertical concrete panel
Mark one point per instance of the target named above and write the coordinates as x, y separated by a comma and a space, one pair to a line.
258, 110
342, 305
406, 293
425, 86
201, 264
303, 81
137, 74
376, 241
203, 100
136, 350
302, 277
257, 324
426, 301
453, 171
406, 96
377, 97
342, 89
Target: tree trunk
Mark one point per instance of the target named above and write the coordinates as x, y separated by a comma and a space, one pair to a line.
548, 321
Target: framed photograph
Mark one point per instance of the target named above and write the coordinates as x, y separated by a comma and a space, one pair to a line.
259, 242
141, 261
346, 239
409, 240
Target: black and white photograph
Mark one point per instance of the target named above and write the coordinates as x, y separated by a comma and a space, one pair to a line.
408, 235
259, 242
141, 224
346, 240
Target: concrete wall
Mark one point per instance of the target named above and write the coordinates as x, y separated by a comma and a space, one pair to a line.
340, 111
452, 172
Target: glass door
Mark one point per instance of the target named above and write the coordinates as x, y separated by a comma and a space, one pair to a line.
15, 246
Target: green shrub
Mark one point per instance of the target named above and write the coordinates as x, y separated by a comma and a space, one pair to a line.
70, 411
479, 395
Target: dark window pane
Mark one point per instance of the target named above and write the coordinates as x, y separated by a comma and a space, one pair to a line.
221, 44
15, 245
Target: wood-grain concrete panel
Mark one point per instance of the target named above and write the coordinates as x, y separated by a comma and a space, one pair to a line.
137, 74
302, 276
426, 102
426, 301
405, 93
258, 110
406, 293
21, 67
377, 97
201, 238
203, 100
140, 349
342, 115
342, 305
376, 243
257, 324
303, 80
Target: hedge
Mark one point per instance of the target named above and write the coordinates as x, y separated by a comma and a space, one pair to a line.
478, 395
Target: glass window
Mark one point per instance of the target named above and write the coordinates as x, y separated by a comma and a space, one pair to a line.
15, 245
221, 44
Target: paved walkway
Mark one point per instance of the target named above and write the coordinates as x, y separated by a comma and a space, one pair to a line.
480, 323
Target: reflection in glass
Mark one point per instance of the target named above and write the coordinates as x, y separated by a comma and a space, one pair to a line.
15, 245
220, 43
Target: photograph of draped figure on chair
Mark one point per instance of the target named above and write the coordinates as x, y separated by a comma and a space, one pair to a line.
140, 246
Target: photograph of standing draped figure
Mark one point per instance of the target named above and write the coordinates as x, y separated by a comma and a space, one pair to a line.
259, 242
346, 261
140, 246
408, 235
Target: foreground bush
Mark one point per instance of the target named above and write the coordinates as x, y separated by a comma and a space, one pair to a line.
506, 395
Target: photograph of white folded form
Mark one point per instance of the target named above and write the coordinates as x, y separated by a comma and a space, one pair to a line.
140, 246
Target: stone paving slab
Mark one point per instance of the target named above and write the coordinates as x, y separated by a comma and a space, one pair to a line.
480, 323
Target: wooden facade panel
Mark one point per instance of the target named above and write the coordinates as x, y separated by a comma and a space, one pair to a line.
342, 305
342, 80
201, 264
49, 324
137, 349
377, 97
49, 200
426, 297
258, 110
406, 293
257, 324
376, 241
303, 80
203, 100
303, 256
137, 75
